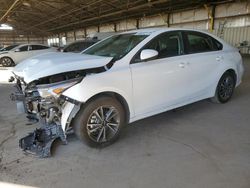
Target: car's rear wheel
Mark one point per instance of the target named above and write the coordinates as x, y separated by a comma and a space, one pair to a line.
7, 62
99, 123
225, 88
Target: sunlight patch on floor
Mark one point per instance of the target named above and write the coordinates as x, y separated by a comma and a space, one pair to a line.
12, 185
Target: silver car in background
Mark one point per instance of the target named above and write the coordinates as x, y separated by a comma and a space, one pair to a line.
14, 54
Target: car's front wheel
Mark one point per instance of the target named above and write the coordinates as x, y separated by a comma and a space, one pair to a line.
99, 122
7, 62
225, 88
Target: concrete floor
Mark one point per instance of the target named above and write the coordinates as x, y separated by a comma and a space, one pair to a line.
200, 145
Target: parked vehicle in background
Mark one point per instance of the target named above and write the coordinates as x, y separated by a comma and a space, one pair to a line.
124, 78
8, 48
101, 35
79, 46
12, 55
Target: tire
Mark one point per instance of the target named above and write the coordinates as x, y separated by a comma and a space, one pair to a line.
225, 88
90, 125
7, 62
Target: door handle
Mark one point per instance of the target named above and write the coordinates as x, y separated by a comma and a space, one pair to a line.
219, 58
183, 64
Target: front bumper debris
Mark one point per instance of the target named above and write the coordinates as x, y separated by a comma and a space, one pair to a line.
40, 141
46, 111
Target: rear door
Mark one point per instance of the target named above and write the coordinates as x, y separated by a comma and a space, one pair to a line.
203, 58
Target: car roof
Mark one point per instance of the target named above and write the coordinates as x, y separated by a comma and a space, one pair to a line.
31, 44
21, 45
162, 29
85, 40
158, 30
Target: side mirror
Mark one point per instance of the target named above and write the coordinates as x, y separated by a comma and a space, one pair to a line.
148, 54
17, 50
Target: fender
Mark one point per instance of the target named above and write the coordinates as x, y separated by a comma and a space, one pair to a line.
94, 84
69, 111
84, 97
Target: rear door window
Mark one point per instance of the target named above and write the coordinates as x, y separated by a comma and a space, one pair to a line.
196, 42
23, 48
38, 47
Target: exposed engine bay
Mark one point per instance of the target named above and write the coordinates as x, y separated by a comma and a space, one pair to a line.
43, 102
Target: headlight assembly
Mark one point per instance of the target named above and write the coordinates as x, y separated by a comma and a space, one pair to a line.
56, 89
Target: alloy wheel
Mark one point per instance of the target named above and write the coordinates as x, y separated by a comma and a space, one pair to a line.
6, 62
226, 88
103, 124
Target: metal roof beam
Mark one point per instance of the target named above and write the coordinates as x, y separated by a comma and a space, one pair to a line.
8, 11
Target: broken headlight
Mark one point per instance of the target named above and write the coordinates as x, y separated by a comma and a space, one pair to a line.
56, 89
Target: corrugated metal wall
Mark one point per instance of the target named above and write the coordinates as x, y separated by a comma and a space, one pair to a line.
8, 40
232, 35
235, 35
236, 17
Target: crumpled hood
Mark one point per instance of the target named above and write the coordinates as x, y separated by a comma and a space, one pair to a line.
54, 63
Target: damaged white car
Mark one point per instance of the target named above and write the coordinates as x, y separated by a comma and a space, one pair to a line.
119, 80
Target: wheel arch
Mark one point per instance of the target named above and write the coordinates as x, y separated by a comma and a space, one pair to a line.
7, 57
229, 70
233, 72
118, 97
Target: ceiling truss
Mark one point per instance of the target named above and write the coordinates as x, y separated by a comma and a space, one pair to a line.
46, 17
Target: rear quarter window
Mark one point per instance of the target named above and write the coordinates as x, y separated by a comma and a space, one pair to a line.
217, 44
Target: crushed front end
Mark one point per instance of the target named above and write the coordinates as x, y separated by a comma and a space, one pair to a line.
44, 104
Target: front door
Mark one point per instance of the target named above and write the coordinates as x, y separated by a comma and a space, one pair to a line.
159, 83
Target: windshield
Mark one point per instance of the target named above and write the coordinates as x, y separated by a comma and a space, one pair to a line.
8, 48
116, 46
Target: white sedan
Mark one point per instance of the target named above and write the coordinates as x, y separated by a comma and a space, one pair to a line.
125, 78
12, 55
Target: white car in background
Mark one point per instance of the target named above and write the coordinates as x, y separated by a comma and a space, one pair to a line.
124, 78
14, 54
8, 48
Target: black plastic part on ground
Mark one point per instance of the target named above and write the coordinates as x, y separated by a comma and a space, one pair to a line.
40, 141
